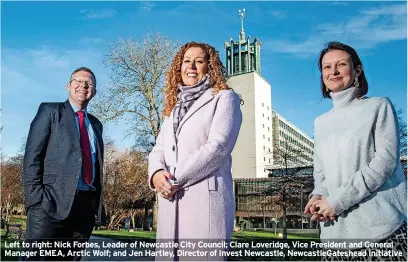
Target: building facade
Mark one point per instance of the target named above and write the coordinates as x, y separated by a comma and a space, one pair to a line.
264, 133
259, 201
253, 150
291, 147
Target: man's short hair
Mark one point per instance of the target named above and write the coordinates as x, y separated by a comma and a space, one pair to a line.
86, 69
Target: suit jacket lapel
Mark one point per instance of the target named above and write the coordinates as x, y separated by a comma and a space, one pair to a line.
204, 99
71, 126
97, 133
99, 143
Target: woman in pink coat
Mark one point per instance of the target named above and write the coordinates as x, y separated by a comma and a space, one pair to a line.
190, 165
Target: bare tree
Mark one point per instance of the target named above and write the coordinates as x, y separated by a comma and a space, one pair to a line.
114, 190
276, 211
125, 187
402, 125
139, 195
138, 70
257, 201
135, 93
402, 131
289, 160
11, 185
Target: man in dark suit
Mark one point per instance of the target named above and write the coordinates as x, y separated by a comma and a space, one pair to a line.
63, 175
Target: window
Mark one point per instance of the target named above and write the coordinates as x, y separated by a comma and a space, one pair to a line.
262, 104
269, 139
269, 149
264, 148
264, 136
264, 158
263, 125
269, 160
263, 114
267, 107
268, 128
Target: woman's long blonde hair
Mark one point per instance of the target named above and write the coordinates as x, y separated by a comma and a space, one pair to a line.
216, 72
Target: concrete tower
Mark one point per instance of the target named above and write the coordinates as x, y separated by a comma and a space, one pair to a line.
253, 152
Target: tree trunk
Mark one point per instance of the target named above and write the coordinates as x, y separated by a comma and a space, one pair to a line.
284, 229
276, 225
145, 220
110, 223
155, 212
263, 214
114, 221
8, 207
132, 217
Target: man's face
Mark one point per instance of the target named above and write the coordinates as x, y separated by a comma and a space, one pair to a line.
81, 88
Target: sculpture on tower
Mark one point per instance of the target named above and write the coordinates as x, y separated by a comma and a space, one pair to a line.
242, 56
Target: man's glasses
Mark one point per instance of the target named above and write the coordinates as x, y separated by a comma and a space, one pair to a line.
76, 82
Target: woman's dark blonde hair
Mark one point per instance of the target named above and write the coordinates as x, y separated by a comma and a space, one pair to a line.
216, 72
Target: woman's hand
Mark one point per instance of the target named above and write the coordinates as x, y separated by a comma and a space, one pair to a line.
324, 209
312, 208
162, 185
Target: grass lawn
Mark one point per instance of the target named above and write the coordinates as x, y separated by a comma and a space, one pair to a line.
242, 235
247, 235
18, 218
14, 219
125, 234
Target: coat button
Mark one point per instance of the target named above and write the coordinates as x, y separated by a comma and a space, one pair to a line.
80, 160
173, 148
77, 176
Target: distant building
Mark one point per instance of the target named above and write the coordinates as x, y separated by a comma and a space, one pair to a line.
258, 201
263, 130
291, 143
253, 151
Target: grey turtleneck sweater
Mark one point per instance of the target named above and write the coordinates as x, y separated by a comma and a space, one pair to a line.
357, 167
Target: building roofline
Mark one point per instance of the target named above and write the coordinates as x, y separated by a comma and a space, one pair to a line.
292, 125
243, 73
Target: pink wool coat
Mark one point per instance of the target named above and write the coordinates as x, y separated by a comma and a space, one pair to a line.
204, 207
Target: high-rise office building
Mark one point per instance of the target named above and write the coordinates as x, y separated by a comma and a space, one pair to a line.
291, 147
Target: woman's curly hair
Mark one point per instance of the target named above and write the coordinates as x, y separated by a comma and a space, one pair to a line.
216, 72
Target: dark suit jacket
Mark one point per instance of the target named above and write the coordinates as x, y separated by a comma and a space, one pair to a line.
53, 159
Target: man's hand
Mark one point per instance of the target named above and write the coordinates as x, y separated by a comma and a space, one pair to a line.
162, 185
